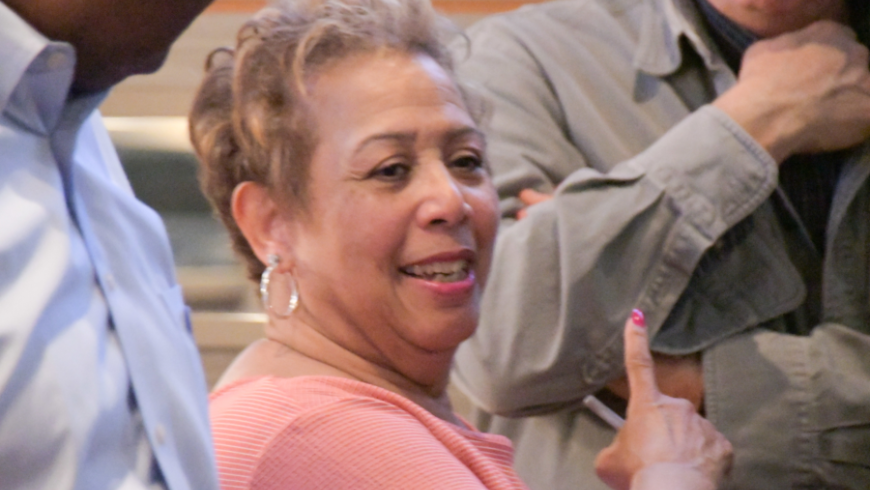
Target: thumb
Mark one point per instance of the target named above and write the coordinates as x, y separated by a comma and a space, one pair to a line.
639, 365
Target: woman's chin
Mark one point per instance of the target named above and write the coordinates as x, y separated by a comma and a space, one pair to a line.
446, 335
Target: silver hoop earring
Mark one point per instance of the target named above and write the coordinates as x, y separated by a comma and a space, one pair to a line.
265, 280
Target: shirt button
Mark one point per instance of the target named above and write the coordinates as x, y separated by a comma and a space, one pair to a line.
109, 281
159, 434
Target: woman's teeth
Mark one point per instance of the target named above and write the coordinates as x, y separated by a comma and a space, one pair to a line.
439, 271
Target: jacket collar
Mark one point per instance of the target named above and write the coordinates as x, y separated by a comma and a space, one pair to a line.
663, 24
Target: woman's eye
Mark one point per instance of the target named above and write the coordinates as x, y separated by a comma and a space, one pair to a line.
394, 171
467, 162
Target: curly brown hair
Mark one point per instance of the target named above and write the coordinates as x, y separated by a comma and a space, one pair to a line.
250, 120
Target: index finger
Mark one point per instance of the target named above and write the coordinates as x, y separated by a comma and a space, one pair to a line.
531, 196
639, 365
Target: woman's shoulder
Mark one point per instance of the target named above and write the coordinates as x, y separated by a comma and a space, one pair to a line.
268, 405
270, 429
263, 419
340, 433
284, 397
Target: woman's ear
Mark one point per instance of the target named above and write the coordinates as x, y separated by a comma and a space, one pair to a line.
260, 220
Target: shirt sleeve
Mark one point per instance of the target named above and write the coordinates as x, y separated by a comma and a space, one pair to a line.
618, 233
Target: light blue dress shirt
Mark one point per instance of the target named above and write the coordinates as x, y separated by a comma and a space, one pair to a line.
100, 381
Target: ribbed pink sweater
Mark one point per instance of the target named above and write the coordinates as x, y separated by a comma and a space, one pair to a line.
320, 432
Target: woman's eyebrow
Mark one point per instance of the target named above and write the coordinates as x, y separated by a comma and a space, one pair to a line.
464, 132
399, 137
409, 137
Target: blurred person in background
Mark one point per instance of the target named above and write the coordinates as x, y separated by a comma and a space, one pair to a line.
704, 161
347, 165
100, 381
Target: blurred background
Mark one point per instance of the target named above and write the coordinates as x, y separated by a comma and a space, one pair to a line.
146, 116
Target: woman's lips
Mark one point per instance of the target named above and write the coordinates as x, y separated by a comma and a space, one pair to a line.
443, 272
449, 274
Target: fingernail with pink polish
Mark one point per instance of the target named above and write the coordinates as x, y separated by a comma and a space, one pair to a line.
637, 318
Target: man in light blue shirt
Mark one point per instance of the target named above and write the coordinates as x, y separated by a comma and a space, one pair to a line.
100, 382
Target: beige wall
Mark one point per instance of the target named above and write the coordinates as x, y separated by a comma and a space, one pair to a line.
169, 92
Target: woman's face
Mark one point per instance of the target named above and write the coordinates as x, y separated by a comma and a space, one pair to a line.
395, 244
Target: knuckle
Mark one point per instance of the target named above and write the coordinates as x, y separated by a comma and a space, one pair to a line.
639, 361
683, 405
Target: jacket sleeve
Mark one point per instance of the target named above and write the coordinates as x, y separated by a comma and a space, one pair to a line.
615, 236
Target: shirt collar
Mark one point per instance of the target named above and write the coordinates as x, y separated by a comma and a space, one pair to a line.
36, 78
19, 45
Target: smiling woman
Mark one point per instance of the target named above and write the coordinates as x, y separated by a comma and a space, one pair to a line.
367, 181
399, 208
344, 159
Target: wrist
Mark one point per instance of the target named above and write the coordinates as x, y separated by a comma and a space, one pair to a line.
671, 476
768, 125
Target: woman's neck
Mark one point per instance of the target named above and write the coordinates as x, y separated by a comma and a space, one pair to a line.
298, 349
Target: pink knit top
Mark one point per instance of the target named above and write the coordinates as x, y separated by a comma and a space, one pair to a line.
321, 432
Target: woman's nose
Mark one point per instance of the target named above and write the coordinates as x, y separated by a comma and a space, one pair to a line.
443, 199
